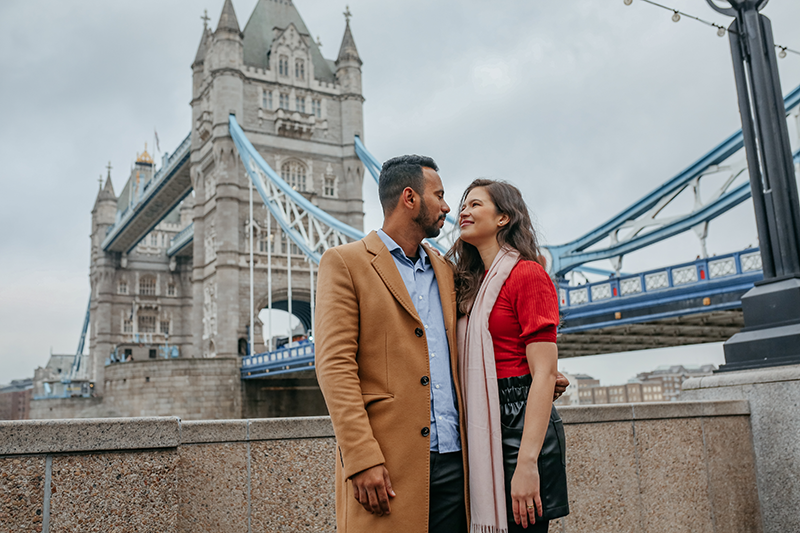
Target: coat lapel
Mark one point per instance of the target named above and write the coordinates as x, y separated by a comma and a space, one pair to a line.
444, 279
384, 265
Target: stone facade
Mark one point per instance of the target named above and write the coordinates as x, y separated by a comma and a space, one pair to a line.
301, 112
199, 389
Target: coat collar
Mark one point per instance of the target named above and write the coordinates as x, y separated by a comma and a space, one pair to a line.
384, 265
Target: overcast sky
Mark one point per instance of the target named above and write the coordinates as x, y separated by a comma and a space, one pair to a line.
585, 104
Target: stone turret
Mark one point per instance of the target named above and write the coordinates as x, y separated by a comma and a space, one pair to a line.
101, 276
225, 59
103, 213
348, 74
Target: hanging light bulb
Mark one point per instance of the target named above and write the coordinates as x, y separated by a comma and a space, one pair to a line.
627, 2
676, 16
782, 53
720, 31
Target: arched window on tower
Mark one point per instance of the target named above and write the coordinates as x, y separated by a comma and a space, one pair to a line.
299, 69
147, 286
283, 66
294, 173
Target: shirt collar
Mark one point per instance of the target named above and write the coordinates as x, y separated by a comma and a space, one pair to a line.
396, 249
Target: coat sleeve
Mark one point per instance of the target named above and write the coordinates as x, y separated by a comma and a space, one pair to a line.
336, 333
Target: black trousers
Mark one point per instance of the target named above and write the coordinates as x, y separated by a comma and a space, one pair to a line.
448, 510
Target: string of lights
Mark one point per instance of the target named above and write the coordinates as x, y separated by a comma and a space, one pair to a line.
721, 30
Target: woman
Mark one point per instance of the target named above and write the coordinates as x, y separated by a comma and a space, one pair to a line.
508, 364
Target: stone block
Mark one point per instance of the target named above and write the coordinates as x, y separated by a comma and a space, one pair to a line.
586, 414
43, 436
115, 491
602, 479
292, 485
774, 398
213, 487
658, 410
213, 431
22, 493
732, 475
290, 428
673, 481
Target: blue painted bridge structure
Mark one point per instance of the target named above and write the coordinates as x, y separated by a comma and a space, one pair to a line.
687, 303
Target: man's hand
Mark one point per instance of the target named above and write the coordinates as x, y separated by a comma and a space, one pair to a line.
561, 385
372, 488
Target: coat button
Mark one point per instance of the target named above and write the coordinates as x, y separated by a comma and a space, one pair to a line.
418, 332
425, 432
425, 380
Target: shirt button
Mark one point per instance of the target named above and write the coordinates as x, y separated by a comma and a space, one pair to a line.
433, 355
425, 380
441, 418
418, 332
437, 386
420, 297
425, 432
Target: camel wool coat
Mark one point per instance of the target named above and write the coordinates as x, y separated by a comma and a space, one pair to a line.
371, 358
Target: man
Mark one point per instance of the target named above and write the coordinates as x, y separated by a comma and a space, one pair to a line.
385, 359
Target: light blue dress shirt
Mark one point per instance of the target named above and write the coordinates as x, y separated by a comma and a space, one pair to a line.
423, 289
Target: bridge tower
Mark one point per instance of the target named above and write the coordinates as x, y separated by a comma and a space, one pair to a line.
101, 275
301, 111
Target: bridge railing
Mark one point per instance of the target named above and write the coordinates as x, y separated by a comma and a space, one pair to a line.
298, 357
699, 271
177, 243
175, 160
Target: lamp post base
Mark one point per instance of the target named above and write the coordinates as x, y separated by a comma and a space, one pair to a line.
772, 336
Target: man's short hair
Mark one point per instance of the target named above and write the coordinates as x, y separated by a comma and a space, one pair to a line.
400, 172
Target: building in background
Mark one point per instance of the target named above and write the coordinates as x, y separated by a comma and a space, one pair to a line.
182, 291
15, 399
580, 384
585, 390
660, 385
672, 377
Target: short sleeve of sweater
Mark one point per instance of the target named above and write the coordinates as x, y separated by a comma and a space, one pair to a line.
535, 301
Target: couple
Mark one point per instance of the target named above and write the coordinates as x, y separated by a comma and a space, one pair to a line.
429, 440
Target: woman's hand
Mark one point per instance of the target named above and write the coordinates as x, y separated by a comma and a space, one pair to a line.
526, 501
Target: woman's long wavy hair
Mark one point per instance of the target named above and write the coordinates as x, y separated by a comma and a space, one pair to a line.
517, 233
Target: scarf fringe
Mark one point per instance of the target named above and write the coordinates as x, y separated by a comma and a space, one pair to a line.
477, 528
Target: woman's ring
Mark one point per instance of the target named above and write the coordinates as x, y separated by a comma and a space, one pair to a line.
530, 506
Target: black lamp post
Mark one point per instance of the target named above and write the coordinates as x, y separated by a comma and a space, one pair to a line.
771, 336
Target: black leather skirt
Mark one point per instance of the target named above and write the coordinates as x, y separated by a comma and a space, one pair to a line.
552, 459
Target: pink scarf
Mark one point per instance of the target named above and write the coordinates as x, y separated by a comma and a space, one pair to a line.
478, 377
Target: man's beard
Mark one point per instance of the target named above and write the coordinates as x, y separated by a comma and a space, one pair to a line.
429, 227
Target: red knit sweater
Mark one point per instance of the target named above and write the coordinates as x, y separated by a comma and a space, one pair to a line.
526, 311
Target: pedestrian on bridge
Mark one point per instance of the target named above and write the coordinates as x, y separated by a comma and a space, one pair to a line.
508, 364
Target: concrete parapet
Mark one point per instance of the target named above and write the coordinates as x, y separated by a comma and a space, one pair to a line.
87, 435
774, 398
648, 467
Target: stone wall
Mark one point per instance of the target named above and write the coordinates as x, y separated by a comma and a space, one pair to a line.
192, 389
649, 467
774, 398
284, 395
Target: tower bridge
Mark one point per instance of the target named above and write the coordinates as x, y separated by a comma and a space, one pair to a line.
181, 263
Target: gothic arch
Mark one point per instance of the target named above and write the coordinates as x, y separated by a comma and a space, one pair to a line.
295, 173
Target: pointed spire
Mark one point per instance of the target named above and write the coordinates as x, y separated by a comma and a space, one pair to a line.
348, 50
109, 186
107, 192
200, 57
227, 20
